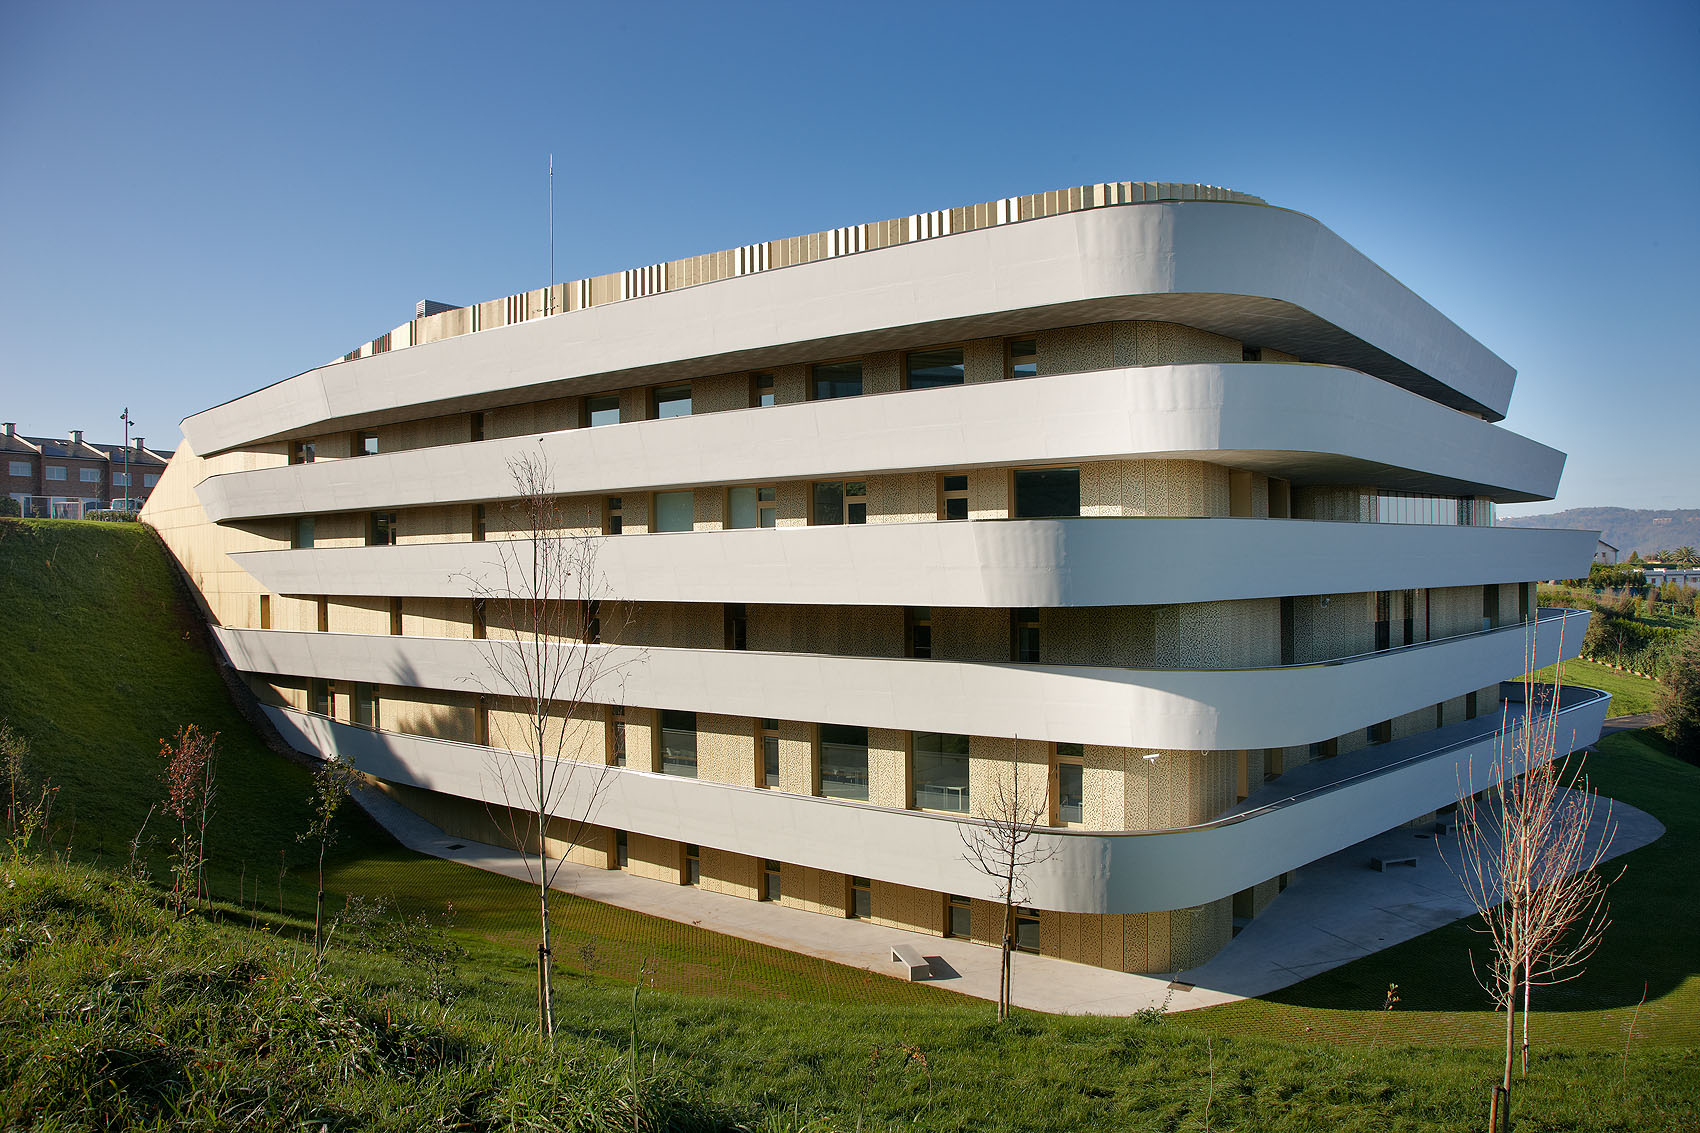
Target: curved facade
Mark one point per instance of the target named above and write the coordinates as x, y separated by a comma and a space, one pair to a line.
1155, 504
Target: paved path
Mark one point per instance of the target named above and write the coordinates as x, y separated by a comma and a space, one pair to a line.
1631, 723
1335, 911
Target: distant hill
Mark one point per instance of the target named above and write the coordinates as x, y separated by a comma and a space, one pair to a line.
1627, 529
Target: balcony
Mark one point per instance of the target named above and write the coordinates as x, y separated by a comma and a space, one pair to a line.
1307, 814
1108, 561
1175, 709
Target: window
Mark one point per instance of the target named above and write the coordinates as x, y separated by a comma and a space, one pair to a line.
679, 743
20, 467
674, 511
395, 617
613, 516
837, 379
481, 721
843, 762
480, 523
928, 369
761, 390
960, 921
1469, 706
735, 622
301, 539
475, 424
265, 611
1024, 636
1408, 604
672, 401
1325, 749
319, 697
1383, 618
840, 501
365, 444
767, 741
1044, 493
590, 616
1379, 733
861, 898
55, 471
752, 507
770, 875
324, 612
617, 735
1490, 606
479, 626
303, 452
940, 765
1023, 358
1071, 784
693, 864
1289, 640
381, 529
1026, 930
603, 410
149, 479
366, 705
918, 631
622, 849
953, 496
92, 476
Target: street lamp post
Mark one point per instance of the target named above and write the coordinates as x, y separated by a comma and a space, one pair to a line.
126, 419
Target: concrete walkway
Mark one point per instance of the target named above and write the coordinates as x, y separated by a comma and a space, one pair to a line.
1335, 911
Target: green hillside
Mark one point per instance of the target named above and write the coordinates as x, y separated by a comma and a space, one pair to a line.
1627, 529
117, 1015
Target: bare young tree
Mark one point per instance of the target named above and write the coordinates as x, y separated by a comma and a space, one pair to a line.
1529, 850
1004, 845
542, 614
333, 781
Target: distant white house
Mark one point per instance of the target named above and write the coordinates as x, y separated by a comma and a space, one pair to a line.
1682, 576
1605, 553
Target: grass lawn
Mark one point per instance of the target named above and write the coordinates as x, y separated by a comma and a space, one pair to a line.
1651, 948
1630, 695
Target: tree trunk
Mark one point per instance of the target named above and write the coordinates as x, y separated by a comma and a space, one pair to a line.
1525, 1023
1510, 1049
1004, 973
545, 983
319, 901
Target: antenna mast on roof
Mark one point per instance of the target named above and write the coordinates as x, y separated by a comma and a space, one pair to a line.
549, 295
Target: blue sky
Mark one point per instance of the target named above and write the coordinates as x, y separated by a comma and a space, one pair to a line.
200, 199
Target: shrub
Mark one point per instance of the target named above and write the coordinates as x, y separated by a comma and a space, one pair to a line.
10, 507
1679, 699
106, 515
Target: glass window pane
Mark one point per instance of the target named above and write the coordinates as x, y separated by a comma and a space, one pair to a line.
941, 772
304, 532
673, 401
932, 368
829, 503
838, 379
770, 760
603, 410
679, 744
1047, 492
844, 762
956, 508
741, 509
674, 511
1071, 792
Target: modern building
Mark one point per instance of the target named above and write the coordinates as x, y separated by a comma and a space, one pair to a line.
1680, 576
53, 478
1161, 501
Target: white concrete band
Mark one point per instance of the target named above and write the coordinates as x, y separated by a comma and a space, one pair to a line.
1011, 563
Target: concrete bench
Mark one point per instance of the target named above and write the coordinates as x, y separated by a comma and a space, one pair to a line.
1381, 864
919, 968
